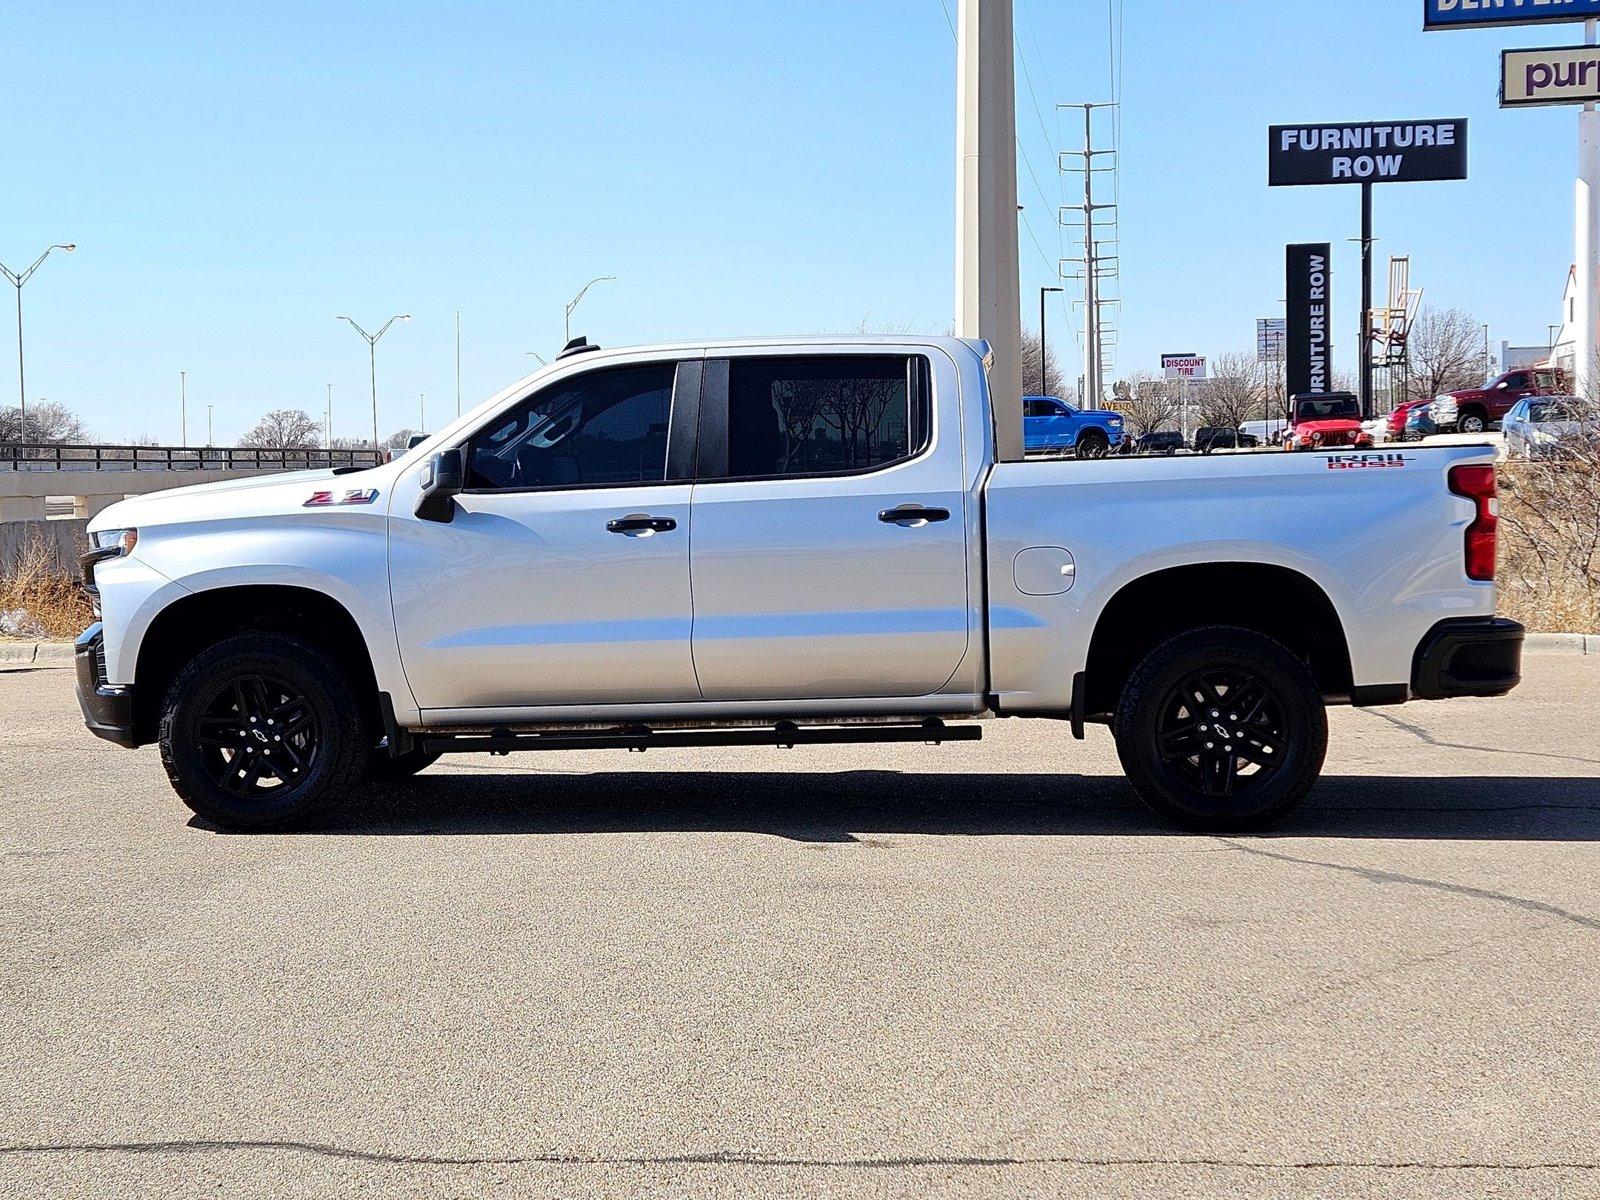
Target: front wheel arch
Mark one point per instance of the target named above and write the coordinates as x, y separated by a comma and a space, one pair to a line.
197, 621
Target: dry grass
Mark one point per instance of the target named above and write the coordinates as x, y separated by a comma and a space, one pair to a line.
1550, 543
37, 596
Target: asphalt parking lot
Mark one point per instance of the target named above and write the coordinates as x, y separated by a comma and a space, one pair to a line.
979, 970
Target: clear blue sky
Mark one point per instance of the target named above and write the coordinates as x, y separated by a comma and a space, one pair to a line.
235, 176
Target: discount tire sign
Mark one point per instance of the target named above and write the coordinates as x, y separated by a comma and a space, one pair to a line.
1367, 152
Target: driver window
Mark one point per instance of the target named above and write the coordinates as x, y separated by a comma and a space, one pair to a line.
605, 427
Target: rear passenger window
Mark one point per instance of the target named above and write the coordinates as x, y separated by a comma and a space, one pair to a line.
822, 415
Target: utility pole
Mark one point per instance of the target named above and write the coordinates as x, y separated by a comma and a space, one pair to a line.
1044, 360
1586, 240
988, 283
183, 408
1096, 264
1488, 357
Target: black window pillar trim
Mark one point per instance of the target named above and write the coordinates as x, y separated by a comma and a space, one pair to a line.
683, 430
712, 460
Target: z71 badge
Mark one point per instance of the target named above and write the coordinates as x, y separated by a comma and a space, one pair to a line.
1356, 462
353, 496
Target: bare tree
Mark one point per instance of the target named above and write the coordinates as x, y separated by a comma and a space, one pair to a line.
398, 440
284, 429
48, 422
1146, 402
1054, 384
1235, 392
1445, 352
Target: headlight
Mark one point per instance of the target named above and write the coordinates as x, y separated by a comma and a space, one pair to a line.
121, 540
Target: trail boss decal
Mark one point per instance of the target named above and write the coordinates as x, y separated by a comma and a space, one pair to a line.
352, 496
1358, 462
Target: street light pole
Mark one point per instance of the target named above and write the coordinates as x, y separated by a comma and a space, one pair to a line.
567, 320
18, 278
183, 408
328, 429
1044, 379
372, 362
209, 436
1488, 358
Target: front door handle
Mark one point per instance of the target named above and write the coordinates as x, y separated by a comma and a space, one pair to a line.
913, 516
641, 525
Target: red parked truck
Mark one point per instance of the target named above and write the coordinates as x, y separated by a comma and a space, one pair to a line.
1322, 419
1472, 410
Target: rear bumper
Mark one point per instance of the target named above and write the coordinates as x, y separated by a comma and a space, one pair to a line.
107, 710
1470, 656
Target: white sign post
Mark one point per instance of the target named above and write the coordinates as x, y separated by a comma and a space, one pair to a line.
1184, 367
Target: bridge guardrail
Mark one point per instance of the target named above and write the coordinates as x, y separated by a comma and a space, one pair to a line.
40, 456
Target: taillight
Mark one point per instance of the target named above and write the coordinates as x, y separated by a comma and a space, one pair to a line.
1478, 485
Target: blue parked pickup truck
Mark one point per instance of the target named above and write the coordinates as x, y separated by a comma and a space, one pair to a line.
1052, 426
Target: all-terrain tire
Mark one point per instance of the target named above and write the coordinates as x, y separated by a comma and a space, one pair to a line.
1177, 733
262, 731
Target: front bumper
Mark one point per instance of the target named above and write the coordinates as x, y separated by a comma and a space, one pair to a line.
107, 710
1468, 656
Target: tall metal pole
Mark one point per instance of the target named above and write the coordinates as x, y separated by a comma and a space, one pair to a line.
22, 387
1366, 301
372, 362
458, 362
17, 279
328, 428
1091, 285
183, 408
209, 436
1586, 239
988, 284
1044, 359
422, 412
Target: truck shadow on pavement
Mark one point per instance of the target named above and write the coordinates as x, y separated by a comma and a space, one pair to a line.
861, 806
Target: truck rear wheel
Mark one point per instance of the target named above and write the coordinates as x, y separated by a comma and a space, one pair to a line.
1221, 728
261, 731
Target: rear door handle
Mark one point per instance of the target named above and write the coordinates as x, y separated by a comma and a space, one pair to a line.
913, 516
641, 525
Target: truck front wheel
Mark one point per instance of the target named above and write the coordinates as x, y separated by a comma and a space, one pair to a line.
262, 731
1093, 445
1221, 728
1472, 420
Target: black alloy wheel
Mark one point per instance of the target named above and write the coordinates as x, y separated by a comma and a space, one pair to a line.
1221, 732
1221, 728
1093, 445
258, 734
262, 731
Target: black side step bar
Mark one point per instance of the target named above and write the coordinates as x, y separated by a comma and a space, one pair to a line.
784, 734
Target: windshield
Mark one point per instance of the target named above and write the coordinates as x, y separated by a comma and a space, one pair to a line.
1327, 408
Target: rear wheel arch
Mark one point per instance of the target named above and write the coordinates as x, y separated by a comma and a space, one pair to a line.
1273, 600
195, 622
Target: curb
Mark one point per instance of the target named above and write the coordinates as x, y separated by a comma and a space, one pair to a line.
1562, 643
35, 654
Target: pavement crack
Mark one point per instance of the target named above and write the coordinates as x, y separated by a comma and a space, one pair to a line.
1422, 735
1379, 876
729, 1158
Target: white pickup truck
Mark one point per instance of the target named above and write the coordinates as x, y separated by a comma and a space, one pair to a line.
783, 543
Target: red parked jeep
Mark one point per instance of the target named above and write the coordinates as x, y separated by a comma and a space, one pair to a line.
1472, 410
1325, 419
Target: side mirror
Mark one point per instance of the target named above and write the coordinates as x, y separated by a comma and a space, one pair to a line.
441, 483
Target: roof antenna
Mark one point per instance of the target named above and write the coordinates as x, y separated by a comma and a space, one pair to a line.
578, 345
